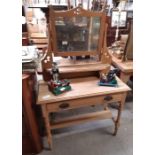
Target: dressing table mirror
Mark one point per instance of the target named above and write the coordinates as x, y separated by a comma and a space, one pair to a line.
77, 32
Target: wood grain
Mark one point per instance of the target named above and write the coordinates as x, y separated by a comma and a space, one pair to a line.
83, 68
81, 87
126, 66
29, 115
82, 102
106, 114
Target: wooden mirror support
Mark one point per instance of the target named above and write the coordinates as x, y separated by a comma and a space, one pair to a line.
72, 21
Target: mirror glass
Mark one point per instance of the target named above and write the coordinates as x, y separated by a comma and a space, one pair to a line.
78, 33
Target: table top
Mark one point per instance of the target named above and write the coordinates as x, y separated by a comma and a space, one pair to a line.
81, 87
38, 35
126, 66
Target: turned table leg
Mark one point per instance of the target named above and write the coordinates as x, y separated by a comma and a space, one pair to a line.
105, 106
117, 121
120, 108
47, 125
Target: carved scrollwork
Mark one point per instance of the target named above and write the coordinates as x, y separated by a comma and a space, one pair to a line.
105, 58
77, 11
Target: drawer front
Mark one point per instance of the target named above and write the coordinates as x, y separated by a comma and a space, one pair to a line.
81, 102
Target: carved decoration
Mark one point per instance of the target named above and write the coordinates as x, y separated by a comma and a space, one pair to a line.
105, 56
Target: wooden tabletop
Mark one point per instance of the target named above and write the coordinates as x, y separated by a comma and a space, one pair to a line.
81, 87
126, 66
38, 35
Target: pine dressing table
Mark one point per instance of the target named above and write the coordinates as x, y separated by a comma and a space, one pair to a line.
83, 33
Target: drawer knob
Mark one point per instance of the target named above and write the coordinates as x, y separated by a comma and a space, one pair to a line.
108, 98
64, 105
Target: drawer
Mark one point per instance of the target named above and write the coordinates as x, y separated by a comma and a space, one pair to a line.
82, 102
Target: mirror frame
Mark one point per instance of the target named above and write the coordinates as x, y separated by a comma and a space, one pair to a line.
78, 11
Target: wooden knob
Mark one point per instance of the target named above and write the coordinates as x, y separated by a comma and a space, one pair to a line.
108, 98
64, 105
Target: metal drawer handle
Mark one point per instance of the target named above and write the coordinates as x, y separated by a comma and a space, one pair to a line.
64, 105
108, 98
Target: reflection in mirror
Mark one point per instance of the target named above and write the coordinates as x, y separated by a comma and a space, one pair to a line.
78, 33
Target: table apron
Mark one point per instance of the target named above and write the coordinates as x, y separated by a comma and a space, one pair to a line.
83, 102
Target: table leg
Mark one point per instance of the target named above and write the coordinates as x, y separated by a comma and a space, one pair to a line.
120, 108
105, 107
47, 125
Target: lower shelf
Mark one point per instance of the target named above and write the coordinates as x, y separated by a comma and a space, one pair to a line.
106, 114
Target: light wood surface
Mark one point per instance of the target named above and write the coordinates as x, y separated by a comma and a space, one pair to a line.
85, 92
67, 65
39, 41
126, 66
62, 62
119, 112
82, 119
81, 87
85, 89
38, 35
83, 68
83, 102
47, 124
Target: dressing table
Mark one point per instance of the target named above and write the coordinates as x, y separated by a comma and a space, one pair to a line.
83, 33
